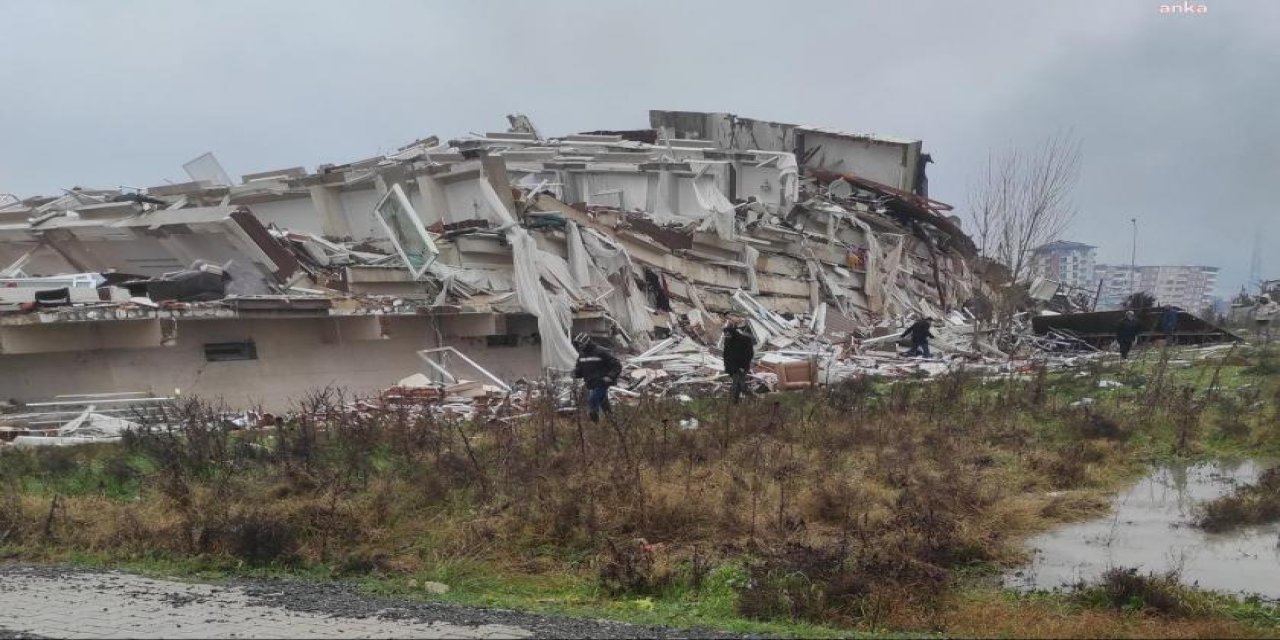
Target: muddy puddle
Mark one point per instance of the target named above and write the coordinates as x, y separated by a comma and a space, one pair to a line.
1149, 527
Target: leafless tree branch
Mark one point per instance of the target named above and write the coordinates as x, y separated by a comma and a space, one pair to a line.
1022, 200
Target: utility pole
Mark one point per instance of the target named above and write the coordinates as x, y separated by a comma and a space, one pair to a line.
1133, 259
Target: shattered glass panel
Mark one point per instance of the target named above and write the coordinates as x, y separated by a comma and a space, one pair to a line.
405, 229
206, 168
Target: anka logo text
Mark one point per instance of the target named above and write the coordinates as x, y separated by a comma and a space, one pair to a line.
1184, 7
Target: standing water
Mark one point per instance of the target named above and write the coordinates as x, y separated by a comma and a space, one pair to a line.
1151, 528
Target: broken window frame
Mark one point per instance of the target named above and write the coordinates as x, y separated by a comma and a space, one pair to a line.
428, 356
394, 212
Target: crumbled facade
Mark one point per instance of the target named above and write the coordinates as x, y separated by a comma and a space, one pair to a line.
502, 245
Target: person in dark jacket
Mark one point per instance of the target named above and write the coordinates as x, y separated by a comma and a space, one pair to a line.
599, 370
920, 335
1127, 333
1169, 324
739, 349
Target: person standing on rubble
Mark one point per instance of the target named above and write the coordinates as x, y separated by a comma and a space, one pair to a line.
920, 334
739, 350
599, 370
1127, 333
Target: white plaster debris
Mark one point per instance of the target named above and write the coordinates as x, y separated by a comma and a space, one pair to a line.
501, 246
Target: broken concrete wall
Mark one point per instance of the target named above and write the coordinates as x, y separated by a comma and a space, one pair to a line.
466, 201
293, 357
724, 129
628, 191
765, 184
155, 243
294, 211
681, 207
80, 337
887, 160
38, 259
358, 206
332, 210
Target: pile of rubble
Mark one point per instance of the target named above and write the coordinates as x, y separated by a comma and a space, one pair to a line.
503, 245
558, 227
78, 419
793, 354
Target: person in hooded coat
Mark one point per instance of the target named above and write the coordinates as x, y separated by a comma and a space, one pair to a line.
920, 334
739, 350
599, 369
1127, 332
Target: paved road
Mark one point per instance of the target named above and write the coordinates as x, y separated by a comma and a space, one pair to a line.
56, 602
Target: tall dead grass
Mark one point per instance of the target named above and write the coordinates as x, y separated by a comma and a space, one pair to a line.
856, 504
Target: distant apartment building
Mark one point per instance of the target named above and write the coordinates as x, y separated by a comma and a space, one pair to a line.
1070, 263
1185, 286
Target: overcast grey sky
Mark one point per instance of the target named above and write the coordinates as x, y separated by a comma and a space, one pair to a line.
1177, 113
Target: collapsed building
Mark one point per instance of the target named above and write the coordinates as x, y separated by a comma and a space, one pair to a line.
500, 245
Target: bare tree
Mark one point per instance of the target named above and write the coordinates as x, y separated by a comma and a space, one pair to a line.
1023, 200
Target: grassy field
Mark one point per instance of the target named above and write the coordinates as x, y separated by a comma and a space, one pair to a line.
867, 508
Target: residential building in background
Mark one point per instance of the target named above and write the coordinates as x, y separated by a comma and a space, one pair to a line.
1070, 263
1186, 286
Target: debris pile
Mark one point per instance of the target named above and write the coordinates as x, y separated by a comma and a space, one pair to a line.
506, 243
66, 420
